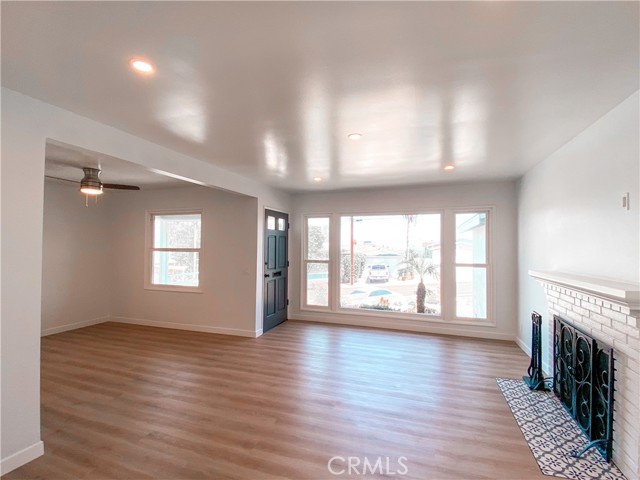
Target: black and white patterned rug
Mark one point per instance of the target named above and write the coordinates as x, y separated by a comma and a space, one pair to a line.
553, 435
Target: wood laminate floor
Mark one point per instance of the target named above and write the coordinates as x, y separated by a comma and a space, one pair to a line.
131, 402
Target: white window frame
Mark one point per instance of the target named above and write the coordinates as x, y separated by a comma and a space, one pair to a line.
447, 267
487, 265
149, 249
306, 261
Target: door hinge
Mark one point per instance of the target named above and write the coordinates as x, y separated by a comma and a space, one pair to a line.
287, 302
288, 225
287, 263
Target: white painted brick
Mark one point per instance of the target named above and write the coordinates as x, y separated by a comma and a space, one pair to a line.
595, 326
616, 335
623, 347
564, 303
633, 365
574, 317
624, 328
581, 311
632, 321
600, 319
625, 310
591, 307
553, 294
620, 317
560, 310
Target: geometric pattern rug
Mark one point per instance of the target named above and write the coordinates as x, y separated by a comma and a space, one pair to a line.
553, 435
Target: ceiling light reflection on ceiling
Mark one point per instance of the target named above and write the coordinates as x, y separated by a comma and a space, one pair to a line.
317, 179
449, 167
141, 66
354, 136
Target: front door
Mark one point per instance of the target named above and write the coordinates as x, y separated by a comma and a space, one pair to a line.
276, 263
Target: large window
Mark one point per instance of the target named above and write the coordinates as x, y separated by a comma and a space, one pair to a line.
425, 265
391, 263
316, 261
174, 243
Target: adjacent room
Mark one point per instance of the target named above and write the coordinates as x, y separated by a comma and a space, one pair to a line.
313, 240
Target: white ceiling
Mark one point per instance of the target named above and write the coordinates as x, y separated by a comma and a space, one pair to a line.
66, 162
271, 90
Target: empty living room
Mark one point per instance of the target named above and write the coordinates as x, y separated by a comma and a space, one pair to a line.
320, 240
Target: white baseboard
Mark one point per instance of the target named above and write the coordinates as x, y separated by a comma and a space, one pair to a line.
73, 326
189, 327
523, 346
22, 457
393, 324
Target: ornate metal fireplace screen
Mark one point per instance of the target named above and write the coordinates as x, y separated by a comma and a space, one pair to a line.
583, 378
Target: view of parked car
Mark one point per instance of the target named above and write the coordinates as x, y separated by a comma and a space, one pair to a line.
377, 273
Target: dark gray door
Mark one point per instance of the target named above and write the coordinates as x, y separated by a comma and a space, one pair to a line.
276, 266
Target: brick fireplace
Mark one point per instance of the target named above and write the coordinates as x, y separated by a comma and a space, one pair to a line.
608, 311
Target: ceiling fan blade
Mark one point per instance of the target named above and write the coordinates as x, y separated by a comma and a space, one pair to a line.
115, 186
63, 179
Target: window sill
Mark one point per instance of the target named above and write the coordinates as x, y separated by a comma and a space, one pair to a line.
172, 288
407, 317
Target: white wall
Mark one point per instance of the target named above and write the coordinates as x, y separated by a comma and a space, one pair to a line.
26, 124
570, 210
76, 283
500, 195
228, 268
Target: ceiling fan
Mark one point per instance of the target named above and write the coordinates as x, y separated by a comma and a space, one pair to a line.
92, 185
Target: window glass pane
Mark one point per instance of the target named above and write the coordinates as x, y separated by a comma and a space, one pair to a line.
282, 225
471, 238
318, 238
175, 268
271, 223
177, 231
471, 292
318, 284
391, 263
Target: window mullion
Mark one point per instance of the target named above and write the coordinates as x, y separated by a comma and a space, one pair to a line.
448, 265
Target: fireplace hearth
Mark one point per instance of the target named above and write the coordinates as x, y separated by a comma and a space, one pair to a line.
583, 379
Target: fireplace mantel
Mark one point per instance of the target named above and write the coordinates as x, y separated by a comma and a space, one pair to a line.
627, 294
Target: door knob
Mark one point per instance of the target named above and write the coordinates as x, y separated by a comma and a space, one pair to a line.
266, 275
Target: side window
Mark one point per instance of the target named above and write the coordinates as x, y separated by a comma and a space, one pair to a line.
316, 261
174, 250
471, 265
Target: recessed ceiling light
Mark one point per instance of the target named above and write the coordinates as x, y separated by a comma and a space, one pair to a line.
354, 136
141, 66
449, 167
317, 179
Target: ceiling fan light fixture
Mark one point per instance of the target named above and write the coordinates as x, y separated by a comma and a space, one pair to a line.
89, 190
90, 183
